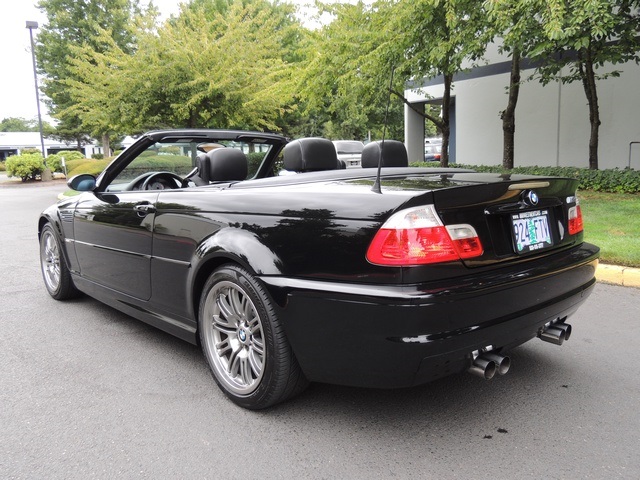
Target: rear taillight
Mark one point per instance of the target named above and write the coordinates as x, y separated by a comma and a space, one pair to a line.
417, 236
575, 219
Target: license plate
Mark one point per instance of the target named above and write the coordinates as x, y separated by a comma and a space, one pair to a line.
531, 231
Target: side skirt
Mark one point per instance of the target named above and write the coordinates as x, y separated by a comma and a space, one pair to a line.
183, 328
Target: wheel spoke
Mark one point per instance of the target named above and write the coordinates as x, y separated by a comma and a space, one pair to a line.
226, 309
232, 367
254, 325
219, 324
255, 361
235, 302
223, 347
247, 310
245, 371
257, 345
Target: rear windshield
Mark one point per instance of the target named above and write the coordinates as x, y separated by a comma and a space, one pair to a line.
343, 146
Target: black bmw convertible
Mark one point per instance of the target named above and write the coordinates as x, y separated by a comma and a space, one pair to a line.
288, 268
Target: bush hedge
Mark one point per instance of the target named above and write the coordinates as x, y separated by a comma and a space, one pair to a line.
86, 165
54, 162
612, 180
26, 166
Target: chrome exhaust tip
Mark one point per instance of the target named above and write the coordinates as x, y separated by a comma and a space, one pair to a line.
553, 335
565, 327
503, 362
483, 368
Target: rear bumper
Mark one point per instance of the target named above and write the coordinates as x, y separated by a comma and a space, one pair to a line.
399, 336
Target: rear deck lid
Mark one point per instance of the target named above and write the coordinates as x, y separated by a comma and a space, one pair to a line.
515, 216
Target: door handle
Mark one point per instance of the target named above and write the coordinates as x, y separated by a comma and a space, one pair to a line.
144, 209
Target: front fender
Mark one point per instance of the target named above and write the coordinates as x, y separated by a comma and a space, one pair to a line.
60, 217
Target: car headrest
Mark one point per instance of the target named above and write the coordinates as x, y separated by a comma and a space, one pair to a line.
394, 154
226, 164
310, 154
201, 176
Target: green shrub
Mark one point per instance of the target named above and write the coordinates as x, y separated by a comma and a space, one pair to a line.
2, 167
254, 159
97, 156
54, 162
30, 150
612, 180
92, 167
26, 166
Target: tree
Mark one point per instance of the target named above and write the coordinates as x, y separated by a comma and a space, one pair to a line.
18, 124
345, 83
438, 38
518, 23
582, 37
424, 38
202, 68
75, 24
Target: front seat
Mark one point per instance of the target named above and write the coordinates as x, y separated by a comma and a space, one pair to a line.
394, 154
220, 165
310, 155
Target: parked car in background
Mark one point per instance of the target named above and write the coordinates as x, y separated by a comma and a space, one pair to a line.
349, 152
374, 277
432, 150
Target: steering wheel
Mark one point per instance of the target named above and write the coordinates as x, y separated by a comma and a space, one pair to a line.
161, 181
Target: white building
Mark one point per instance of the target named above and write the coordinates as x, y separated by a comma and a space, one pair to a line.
13, 143
552, 122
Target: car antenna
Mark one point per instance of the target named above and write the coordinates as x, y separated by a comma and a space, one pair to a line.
376, 185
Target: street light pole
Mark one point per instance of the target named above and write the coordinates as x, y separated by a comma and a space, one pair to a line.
31, 26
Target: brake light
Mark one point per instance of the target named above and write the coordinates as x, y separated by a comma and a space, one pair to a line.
417, 236
575, 219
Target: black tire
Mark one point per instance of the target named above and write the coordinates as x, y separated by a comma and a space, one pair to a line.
244, 343
55, 273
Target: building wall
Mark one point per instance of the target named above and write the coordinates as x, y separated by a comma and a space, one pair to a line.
552, 121
14, 143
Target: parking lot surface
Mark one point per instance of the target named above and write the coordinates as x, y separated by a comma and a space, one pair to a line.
87, 392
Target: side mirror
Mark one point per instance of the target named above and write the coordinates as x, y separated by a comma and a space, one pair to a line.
82, 183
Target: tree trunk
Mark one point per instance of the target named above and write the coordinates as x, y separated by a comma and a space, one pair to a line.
508, 115
106, 149
589, 83
446, 105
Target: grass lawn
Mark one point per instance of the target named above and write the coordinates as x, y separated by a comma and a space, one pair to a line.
612, 221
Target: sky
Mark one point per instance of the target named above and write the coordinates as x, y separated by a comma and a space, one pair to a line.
17, 87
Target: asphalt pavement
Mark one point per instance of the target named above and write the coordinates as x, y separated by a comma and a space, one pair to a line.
87, 392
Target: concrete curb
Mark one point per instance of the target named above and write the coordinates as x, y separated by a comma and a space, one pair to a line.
616, 275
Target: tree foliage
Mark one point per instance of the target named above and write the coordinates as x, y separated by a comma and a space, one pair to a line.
346, 81
204, 68
440, 38
18, 124
72, 24
424, 38
580, 39
518, 25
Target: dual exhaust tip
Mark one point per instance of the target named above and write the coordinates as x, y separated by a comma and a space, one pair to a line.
487, 363
555, 333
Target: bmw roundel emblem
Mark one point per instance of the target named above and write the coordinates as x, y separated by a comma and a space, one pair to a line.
531, 198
